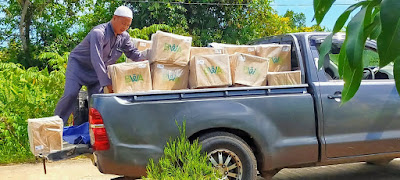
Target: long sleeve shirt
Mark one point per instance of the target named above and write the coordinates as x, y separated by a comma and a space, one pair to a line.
100, 48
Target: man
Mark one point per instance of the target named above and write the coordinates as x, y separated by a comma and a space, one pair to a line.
87, 63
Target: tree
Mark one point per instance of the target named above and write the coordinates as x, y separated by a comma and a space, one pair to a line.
36, 25
297, 19
375, 19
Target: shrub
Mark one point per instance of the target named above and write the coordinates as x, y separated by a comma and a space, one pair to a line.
26, 93
182, 160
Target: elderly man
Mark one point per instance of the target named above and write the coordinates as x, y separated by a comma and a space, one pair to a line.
87, 63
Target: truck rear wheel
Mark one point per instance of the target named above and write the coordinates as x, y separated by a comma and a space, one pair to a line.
230, 155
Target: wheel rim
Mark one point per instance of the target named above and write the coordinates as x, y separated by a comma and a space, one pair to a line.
227, 163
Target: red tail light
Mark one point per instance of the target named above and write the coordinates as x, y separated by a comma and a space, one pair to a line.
98, 133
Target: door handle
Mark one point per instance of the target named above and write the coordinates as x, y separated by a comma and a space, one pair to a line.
337, 94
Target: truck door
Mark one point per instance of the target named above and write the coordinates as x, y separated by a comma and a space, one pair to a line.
367, 124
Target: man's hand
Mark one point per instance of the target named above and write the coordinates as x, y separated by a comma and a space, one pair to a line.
109, 88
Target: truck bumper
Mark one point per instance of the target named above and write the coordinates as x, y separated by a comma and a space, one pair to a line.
108, 166
126, 160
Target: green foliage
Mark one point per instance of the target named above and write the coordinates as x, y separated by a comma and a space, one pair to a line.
389, 38
375, 19
146, 32
182, 160
47, 26
298, 20
26, 93
321, 7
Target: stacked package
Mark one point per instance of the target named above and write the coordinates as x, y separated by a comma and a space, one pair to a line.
170, 54
210, 71
195, 51
141, 44
249, 70
169, 76
45, 135
130, 77
284, 78
232, 49
170, 48
251, 50
278, 54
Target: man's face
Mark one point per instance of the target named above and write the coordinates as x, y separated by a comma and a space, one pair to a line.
121, 24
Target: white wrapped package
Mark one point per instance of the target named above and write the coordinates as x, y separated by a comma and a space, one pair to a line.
207, 71
249, 70
195, 51
141, 44
170, 48
130, 77
278, 54
284, 78
45, 135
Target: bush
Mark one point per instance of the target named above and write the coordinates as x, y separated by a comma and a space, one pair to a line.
26, 93
182, 160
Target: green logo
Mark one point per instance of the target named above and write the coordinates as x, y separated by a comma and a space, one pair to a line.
213, 70
276, 59
133, 78
172, 47
172, 77
250, 70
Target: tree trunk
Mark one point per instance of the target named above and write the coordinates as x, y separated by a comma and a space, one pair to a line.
24, 29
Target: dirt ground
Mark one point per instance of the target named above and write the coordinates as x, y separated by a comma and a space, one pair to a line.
82, 169
78, 169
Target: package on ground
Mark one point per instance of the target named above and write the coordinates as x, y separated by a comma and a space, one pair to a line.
170, 48
210, 71
169, 76
249, 70
45, 135
284, 78
141, 44
130, 77
279, 55
195, 51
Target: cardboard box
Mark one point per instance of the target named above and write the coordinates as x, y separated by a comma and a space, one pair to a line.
284, 78
278, 54
45, 135
170, 48
210, 71
204, 51
233, 48
169, 76
240, 49
249, 70
130, 77
141, 44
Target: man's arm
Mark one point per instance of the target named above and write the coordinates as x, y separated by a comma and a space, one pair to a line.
96, 51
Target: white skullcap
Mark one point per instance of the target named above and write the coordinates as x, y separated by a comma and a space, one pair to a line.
123, 11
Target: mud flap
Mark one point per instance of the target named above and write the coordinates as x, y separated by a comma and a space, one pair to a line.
70, 151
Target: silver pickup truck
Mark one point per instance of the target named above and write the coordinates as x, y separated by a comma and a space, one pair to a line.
251, 130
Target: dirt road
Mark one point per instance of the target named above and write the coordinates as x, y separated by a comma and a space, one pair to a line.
82, 169
79, 169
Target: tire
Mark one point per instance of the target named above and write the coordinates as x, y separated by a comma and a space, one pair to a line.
225, 145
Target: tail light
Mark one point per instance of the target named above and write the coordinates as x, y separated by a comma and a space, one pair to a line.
98, 133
